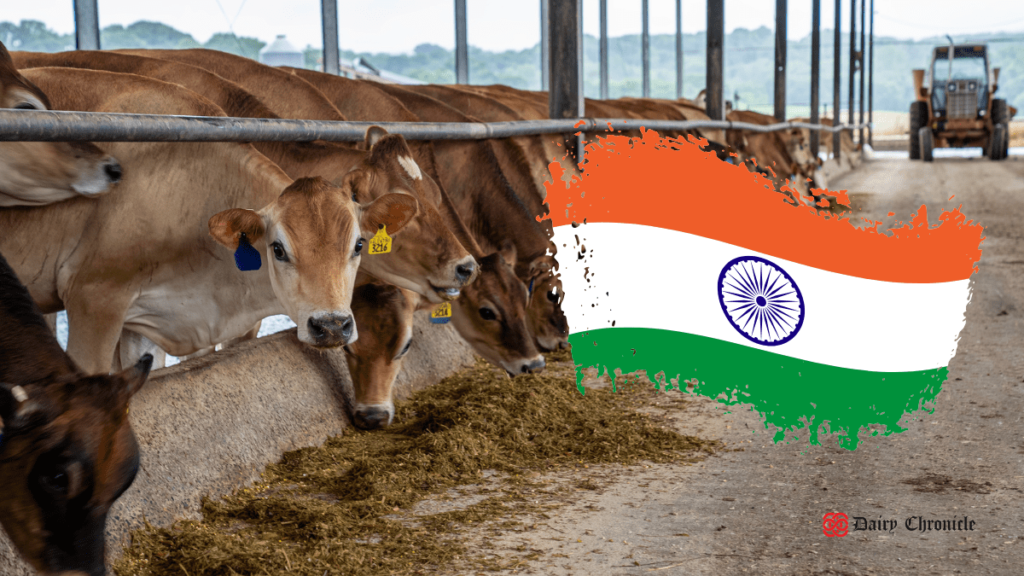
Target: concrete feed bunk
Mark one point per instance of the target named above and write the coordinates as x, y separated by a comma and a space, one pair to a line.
210, 425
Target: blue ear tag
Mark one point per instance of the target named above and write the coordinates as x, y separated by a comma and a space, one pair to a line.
530, 294
246, 257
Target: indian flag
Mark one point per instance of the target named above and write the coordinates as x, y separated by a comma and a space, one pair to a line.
672, 260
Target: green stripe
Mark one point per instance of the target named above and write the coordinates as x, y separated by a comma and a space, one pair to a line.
789, 394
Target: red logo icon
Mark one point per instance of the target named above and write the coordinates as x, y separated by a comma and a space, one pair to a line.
835, 524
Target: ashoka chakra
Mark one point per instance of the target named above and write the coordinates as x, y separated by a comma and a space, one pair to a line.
760, 300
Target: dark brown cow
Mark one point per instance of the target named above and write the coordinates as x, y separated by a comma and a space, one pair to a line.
39, 173
67, 450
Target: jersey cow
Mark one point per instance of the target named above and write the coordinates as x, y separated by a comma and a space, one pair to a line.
156, 257
67, 450
39, 173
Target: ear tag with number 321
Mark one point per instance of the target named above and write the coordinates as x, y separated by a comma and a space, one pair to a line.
441, 314
381, 242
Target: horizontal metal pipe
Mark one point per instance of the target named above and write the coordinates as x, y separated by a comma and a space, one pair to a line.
61, 126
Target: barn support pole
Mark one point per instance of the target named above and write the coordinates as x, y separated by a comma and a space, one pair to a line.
645, 49
853, 62
837, 79
565, 98
679, 48
815, 72
860, 65
603, 49
871, 77
715, 60
87, 25
461, 44
329, 20
780, 60
545, 45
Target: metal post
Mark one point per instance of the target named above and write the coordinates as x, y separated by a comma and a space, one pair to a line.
461, 44
603, 50
87, 25
679, 48
853, 61
645, 50
860, 65
815, 71
545, 46
871, 77
715, 60
836, 79
329, 21
780, 60
565, 97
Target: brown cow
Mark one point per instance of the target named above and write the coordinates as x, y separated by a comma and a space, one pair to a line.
384, 313
39, 173
67, 450
152, 266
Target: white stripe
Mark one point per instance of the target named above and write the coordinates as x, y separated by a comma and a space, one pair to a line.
647, 277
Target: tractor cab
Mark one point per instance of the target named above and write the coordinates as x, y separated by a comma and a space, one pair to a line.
959, 84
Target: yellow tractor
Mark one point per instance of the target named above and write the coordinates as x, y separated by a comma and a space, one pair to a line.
957, 107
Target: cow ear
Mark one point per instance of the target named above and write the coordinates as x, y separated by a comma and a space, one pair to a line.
228, 226
134, 377
373, 135
508, 253
393, 210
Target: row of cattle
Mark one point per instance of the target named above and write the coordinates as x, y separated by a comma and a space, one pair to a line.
135, 242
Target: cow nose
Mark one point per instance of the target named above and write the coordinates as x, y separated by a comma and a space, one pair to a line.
114, 171
464, 271
331, 330
533, 367
371, 417
563, 344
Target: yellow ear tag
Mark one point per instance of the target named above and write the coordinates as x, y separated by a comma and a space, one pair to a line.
441, 314
381, 242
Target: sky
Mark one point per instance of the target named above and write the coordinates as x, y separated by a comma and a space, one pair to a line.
400, 25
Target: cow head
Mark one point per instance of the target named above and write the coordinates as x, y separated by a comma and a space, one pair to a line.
429, 259
37, 173
546, 320
66, 454
384, 312
491, 315
313, 237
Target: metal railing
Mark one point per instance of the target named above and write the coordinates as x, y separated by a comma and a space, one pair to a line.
61, 126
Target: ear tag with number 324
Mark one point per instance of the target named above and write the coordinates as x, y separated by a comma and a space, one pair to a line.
441, 314
381, 242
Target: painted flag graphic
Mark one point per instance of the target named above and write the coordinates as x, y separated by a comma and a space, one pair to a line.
675, 261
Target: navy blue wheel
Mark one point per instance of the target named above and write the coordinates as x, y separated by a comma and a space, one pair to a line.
760, 300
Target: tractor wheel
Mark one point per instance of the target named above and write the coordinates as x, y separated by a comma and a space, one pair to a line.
927, 143
997, 147
918, 118
1000, 111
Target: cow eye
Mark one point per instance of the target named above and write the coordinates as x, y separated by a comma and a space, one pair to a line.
488, 314
279, 252
25, 106
54, 480
406, 349
359, 245
553, 295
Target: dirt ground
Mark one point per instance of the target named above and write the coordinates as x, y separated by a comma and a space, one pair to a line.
757, 507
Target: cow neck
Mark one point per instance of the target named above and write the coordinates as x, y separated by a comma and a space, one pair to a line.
298, 160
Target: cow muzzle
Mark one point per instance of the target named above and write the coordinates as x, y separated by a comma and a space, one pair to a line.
526, 366
331, 330
373, 416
